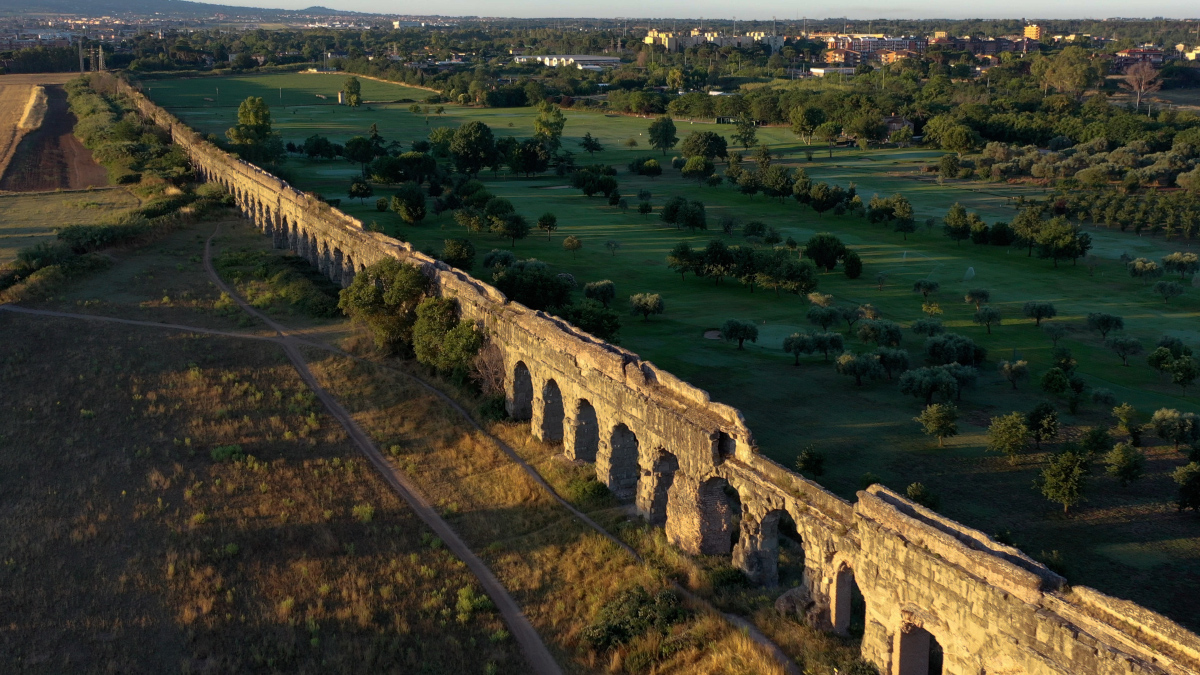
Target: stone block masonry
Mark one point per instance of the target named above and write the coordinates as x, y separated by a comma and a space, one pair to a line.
661, 443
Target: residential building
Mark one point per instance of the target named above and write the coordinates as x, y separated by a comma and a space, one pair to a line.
580, 61
831, 70
1127, 57
845, 57
1033, 32
868, 43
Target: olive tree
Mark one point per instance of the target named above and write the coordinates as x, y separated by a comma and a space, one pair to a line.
736, 329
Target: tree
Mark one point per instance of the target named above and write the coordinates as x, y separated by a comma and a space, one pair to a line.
805, 120
1055, 332
409, 203
823, 316
441, 340
361, 189
825, 250
252, 137
612, 245
1014, 371
594, 318
1039, 311
986, 316
828, 133
318, 146
745, 131
698, 167
919, 494
811, 462
1105, 323
1141, 78
590, 144
359, 149
736, 329
458, 253
662, 134
1144, 269
954, 348
353, 91
926, 287
882, 332
531, 283
1184, 263
924, 383
797, 344
978, 297
859, 366
1168, 289
682, 259
646, 304
852, 265
1042, 422
956, 225
827, 343
472, 147
939, 420
893, 361
1008, 434
1062, 482
1184, 371
1188, 479
1027, 226
548, 126
572, 244
707, 144
384, 297
1125, 463
511, 226
928, 327
1175, 427
602, 292
1125, 346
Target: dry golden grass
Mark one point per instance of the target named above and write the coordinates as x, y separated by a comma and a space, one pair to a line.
128, 548
30, 219
13, 99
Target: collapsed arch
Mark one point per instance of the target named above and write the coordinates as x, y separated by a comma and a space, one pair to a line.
720, 516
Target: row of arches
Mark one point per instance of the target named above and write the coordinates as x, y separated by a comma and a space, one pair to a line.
288, 232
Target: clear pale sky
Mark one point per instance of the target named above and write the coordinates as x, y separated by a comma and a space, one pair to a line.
765, 9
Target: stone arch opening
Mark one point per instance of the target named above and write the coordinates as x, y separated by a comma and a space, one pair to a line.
725, 446
584, 431
656, 486
550, 424
768, 546
617, 464
847, 606
520, 404
918, 652
791, 552
720, 516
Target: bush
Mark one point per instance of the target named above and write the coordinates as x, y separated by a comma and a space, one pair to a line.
632, 613
493, 409
227, 453
588, 493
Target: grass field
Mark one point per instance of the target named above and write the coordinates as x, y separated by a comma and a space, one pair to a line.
1124, 541
26, 220
13, 98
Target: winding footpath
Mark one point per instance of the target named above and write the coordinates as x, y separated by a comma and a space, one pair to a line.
531, 644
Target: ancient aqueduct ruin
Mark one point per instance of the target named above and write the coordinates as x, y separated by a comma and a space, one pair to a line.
662, 443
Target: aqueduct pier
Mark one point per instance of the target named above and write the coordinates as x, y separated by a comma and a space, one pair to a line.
663, 444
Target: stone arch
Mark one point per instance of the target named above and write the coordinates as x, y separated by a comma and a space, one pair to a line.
280, 236
617, 462
581, 438
324, 259
847, 606
336, 266
268, 221
348, 271
520, 397
917, 652
719, 517
548, 413
758, 549
654, 488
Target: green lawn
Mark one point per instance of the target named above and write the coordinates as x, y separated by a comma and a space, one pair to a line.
1122, 540
30, 219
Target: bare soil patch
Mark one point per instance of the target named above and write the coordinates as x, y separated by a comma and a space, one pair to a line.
51, 158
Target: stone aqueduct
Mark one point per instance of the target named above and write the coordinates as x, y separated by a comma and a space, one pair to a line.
662, 443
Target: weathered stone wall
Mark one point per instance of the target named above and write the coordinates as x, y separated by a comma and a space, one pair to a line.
661, 443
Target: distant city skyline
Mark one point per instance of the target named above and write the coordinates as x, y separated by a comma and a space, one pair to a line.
694, 9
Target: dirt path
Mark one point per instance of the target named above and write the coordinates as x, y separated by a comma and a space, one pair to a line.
51, 157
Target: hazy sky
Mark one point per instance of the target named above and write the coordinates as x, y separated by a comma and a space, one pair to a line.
765, 9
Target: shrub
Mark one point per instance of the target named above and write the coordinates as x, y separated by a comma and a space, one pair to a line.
632, 613
227, 453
